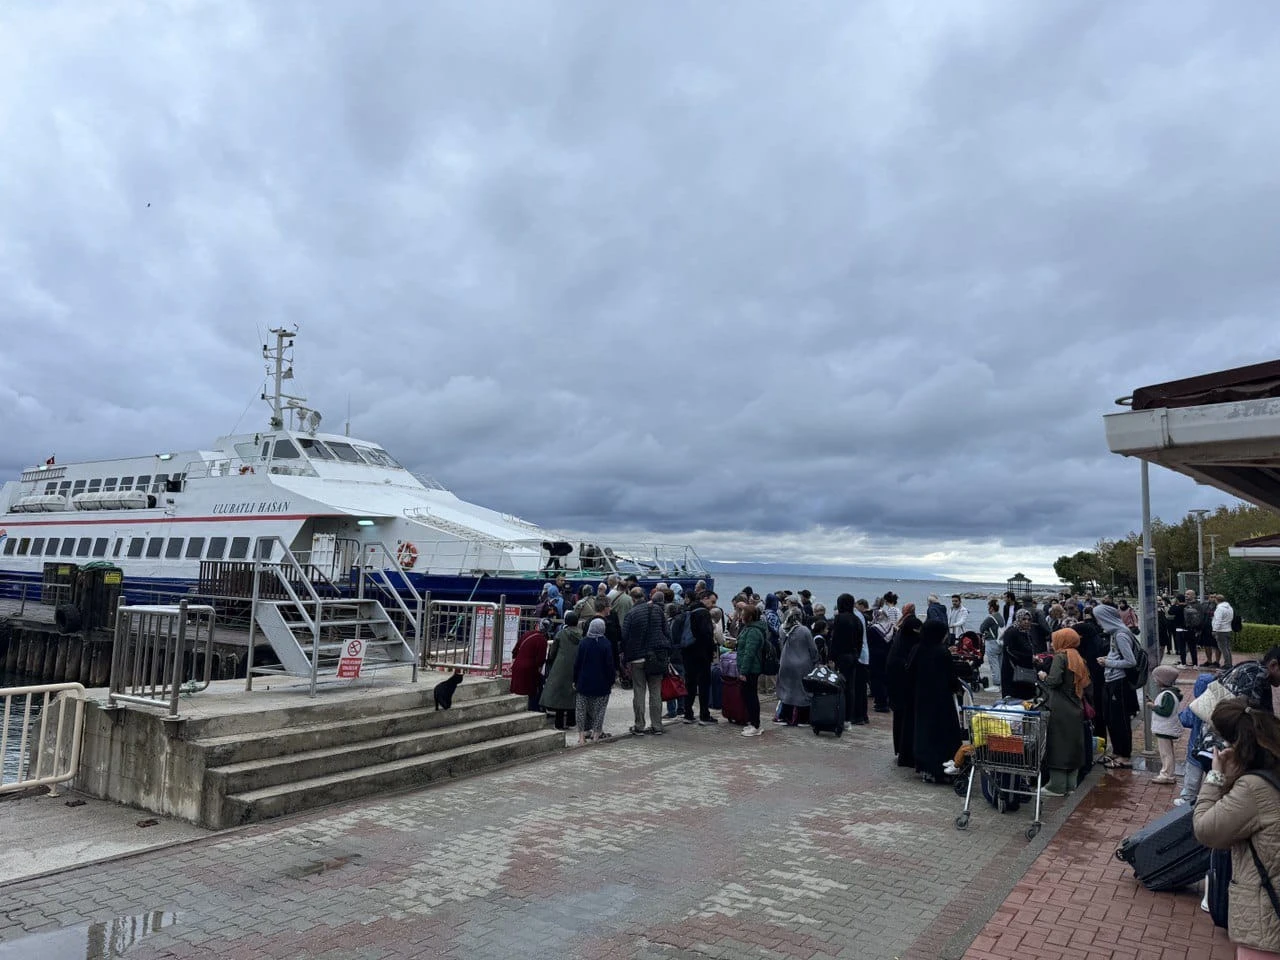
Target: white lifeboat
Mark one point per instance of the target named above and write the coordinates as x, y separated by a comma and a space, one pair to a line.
40, 503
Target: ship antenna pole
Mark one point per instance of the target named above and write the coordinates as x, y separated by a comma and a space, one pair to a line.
277, 358
347, 430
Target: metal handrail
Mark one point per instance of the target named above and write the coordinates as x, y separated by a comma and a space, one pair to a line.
50, 780
415, 618
149, 649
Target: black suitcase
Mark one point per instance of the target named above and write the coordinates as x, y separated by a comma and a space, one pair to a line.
826, 712
1219, 884
1088, 751
1165, 854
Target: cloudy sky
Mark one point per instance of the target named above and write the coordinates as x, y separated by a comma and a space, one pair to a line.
817, 281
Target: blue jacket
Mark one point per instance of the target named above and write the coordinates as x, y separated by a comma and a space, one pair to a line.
593, 672
1191, 721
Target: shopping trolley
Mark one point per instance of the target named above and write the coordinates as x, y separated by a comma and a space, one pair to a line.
1007, 740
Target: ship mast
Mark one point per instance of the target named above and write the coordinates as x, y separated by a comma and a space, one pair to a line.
278, 371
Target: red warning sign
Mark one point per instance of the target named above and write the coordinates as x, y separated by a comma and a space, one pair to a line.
351, 661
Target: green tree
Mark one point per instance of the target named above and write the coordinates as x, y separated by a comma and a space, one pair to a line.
1252, 588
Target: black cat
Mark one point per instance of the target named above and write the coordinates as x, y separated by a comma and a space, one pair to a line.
445, 689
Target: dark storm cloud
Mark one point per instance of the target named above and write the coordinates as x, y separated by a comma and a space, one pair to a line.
822, 280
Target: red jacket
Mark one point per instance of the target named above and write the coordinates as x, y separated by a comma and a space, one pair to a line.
527, 659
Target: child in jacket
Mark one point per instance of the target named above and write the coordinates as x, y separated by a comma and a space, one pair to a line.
1164, 720
1197, 765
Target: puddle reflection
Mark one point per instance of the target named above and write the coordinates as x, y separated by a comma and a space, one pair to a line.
89, 941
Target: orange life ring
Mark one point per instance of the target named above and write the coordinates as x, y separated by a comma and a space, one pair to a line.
407, 555
246, 469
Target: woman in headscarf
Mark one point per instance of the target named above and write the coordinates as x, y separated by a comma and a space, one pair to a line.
799, 656
558, 693
1065, 684
527, 659
593, 675
937, 734
551, 595
902, 695
1018, 669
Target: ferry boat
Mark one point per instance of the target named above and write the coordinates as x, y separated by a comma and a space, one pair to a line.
339, 503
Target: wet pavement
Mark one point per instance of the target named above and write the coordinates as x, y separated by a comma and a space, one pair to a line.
698, 843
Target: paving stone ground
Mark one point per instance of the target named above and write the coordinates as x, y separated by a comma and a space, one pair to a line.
699, 843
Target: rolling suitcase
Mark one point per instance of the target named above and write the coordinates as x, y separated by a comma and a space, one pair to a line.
1165, 854
1088, 751
732, 707
826, 712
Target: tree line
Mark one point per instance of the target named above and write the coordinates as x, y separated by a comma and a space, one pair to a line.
1253, 588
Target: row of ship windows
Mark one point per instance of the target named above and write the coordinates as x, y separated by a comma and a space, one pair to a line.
143, 483
170, 549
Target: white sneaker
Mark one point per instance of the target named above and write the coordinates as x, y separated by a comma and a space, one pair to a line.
749, 731
1179, 802
848, 725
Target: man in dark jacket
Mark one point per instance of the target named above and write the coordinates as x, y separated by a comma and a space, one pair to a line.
646, 646
698, 655
845, 651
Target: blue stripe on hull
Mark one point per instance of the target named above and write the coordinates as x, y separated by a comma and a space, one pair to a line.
520, 591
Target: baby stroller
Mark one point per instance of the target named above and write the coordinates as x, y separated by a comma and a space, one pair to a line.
966, 659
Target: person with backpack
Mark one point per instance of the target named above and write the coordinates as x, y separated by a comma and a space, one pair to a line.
699, 650
677, 625
1121, 657
1238, 809
1221, 627
1198, 632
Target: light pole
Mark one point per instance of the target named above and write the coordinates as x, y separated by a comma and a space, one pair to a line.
1200, 515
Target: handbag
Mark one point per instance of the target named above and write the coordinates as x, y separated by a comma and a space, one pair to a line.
1089, 712
673, 687
1024, 675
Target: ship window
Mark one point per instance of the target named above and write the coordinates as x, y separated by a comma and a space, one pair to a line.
95, 485
135, 547
68, 546
37, 546
126, 483
51, 488
154, 546
142, 483
174, 550
23, 545
78, 488
85, 546
108, 484
64, 487
315, 448
240, 545
265, 546
9, 546
344, 451
52, 549
266, 450
285, 450
217, 546
159, 484
100, 547
194, 547
119, 547
379, 456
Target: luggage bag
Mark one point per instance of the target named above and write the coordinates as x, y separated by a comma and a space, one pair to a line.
731, 702
826, 712
1219, 884
1165, 854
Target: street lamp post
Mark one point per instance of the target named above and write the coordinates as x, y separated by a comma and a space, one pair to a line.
1200, 515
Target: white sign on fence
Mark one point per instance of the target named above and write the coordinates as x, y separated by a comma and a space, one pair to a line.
482, 634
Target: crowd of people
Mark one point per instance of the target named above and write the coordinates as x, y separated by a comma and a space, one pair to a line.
1078, 657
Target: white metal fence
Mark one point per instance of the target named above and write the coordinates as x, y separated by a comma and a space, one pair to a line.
40, 736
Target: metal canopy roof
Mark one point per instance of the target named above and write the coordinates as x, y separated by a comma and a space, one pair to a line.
1221, 429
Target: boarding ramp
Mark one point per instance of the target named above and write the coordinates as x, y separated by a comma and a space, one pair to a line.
316, 634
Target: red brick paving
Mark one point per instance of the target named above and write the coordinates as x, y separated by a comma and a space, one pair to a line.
1078, 902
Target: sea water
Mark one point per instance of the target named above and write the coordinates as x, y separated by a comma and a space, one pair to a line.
826, 589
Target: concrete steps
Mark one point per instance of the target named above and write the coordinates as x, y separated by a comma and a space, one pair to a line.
276, 801
281, 758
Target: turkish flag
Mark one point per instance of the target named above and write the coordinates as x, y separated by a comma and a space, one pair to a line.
49, 462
